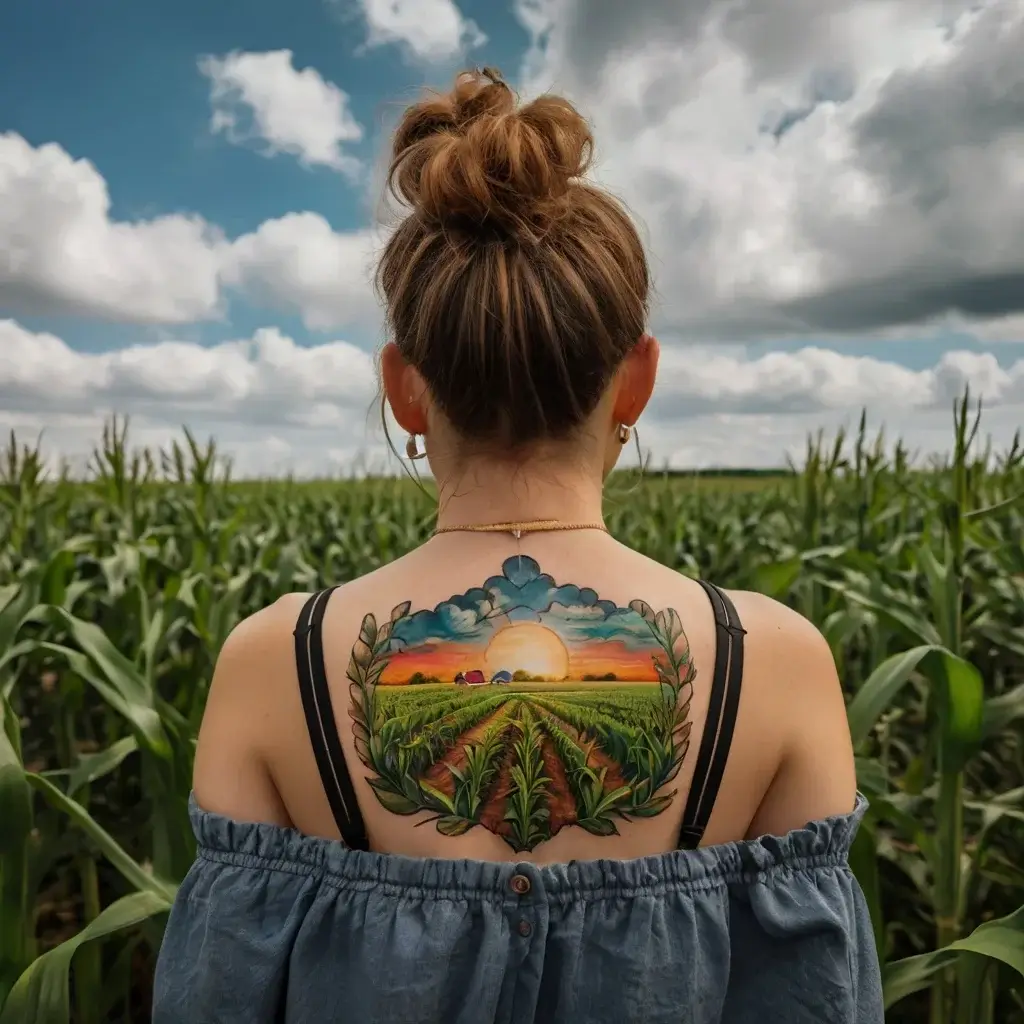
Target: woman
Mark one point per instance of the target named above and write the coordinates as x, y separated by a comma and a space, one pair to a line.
523, 773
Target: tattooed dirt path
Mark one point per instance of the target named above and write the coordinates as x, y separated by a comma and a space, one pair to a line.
439, 774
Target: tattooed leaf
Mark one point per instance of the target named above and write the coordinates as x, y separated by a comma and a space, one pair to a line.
359, 730
610, 799
368, 630
362, 651
452, 826
644, 610
392, 801
598, 826
383, 635
641, 793
675, 628
442, 798
400, 611
652, 808
357, 708
666, 675
376, 749
676, 765
661, 621
355, 671
363, 753
689, 670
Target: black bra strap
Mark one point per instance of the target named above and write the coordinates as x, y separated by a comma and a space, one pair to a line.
721, 720
323, 729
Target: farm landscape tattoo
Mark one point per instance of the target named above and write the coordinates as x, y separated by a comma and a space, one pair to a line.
523, 706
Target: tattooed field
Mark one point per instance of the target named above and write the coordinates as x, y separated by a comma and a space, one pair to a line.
548, 733
536, 758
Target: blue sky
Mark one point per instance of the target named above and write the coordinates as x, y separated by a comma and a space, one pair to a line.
872, 255
126, 94
524, 594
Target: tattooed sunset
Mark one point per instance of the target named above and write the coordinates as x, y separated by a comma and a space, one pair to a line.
522, 648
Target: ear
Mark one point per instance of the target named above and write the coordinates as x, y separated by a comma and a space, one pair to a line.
635, 383
405, 390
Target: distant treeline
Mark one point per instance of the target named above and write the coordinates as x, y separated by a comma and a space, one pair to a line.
722, 473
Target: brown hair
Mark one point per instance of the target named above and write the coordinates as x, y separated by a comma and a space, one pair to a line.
512, 285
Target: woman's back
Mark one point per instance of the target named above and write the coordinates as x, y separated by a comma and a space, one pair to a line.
569, 784
486, 726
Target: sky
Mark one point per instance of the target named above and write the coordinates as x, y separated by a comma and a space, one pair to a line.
831, 193
523, 620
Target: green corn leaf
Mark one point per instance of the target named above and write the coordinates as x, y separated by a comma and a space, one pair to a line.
91, 767
958, 693
776, 579
142, 714
121, 672
1002, 940
890, 608
872, 775
42, 992
131, 871
15, 832
880, 689
999, 506
1002, 711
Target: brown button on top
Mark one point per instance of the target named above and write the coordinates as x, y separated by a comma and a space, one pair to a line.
520, 884
525, 928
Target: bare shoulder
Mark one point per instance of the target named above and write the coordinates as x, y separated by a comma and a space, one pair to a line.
774, 628
791, 677
252, 684
261, 633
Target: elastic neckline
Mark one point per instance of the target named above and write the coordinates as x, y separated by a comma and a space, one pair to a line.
823, 844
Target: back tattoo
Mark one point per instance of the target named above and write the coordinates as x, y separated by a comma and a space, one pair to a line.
523, 706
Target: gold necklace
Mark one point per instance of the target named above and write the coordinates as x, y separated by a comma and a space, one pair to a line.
518, 529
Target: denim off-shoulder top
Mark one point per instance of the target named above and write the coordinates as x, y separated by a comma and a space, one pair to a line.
274, 927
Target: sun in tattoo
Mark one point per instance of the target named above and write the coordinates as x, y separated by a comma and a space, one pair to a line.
523, 706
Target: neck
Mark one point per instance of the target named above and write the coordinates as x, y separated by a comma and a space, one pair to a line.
483, 493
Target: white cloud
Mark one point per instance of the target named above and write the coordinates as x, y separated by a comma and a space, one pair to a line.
299, 263
811, 167
60, 251
694, 380
294, 111
429, 30
279, 407
266, 381
1007, 328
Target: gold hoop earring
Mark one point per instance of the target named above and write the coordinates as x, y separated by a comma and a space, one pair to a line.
411, 450
624, 433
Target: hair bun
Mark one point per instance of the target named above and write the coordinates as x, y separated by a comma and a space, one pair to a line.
474, 159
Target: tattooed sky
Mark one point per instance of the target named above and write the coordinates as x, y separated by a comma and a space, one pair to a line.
594, 636
831, 191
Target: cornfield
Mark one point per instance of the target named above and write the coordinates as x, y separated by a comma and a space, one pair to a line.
116, 594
